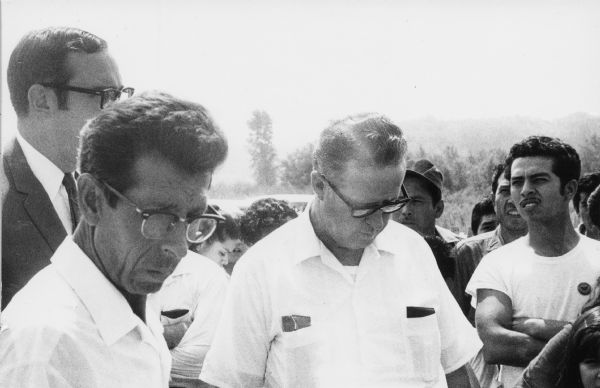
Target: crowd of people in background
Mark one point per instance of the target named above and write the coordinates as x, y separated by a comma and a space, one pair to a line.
117, 271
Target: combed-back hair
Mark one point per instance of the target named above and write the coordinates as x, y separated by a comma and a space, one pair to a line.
41, 56
587, 184
180, 131
565, 160
343, 139
593, 203
583, 343
481, 208
264, 216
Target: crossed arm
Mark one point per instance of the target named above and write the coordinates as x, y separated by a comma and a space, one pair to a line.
507, 341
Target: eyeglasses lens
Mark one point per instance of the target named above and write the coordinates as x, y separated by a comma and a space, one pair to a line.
201, 229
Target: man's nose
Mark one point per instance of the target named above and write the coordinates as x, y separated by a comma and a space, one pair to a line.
175, 243
527, 188
376, 220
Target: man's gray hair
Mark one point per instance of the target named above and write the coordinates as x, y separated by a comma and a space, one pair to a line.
346, 139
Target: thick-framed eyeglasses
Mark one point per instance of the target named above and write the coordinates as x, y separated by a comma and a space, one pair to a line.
108, 96
157, 224
361, 211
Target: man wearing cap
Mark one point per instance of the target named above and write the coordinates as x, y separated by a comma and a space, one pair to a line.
340, 297
423, 183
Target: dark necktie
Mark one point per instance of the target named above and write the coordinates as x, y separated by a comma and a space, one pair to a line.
70, 186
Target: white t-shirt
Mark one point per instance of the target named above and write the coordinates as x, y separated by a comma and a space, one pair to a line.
198, 285
538, 286
344, 332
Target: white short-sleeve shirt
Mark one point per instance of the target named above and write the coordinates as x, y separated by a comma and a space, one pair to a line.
198, 285
538, 286
359, 333
70, 327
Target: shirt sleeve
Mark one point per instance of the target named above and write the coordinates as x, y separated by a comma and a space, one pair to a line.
36, 357
489, 274
459, 340
466, 262
238, 354
188, 356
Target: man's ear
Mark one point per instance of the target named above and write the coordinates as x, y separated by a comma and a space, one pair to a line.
570, 189
439, 208
41, 99
317, 184
91, 198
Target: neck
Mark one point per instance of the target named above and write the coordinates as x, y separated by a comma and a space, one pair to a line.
37, 135
346, 256
509, 235
551, 239
84, 237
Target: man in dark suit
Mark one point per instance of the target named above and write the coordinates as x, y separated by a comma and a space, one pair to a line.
58, 78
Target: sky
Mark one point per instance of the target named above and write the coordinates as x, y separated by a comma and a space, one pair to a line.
308, 62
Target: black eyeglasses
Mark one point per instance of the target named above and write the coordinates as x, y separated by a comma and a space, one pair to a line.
361, 211
157, 224
108, 96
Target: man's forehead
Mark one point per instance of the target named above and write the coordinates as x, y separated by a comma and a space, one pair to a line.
93, 70
532, 165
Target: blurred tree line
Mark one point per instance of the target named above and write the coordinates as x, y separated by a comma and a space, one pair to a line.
467, 170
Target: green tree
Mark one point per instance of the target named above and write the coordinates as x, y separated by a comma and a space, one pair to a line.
297, 166
260, 146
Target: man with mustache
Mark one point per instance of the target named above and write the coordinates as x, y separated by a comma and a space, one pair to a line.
146, 165
469, 252
340, 297
526, 291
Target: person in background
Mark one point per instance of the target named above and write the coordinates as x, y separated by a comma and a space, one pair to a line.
221, 245
444, 260
527, 291
483, 216
587, 184
339, 296
83, 321
264, 216
424, 183
58, 77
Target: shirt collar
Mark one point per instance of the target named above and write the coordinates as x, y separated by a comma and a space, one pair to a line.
447, 235
43, 169
107, 306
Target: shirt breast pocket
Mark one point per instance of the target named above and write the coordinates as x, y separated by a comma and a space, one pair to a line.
301, 356
425, 348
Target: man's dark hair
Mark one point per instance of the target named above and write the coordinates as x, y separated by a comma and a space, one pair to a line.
343, 139
264, 216
180, 131
587, 184
228, 229
441, 251
565, 160
498, 170
41, 57
481, 208
594, 206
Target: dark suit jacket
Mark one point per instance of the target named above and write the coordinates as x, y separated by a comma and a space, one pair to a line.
31, 229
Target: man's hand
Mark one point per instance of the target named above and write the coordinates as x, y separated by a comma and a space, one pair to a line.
542, 329
174, 333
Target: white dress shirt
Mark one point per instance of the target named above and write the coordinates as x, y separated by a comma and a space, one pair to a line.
198, 285
51, 178
70, 327
359, 333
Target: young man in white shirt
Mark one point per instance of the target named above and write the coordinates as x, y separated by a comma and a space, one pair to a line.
526, 291
339, 296
146, 165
